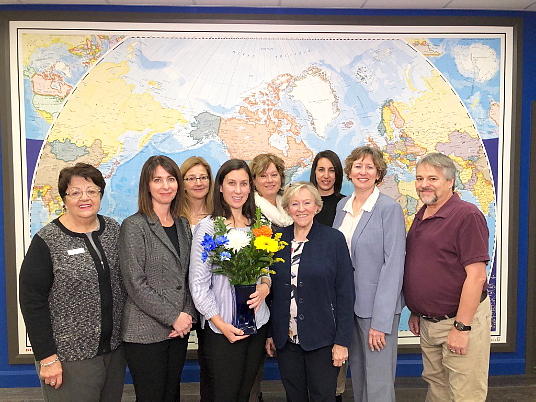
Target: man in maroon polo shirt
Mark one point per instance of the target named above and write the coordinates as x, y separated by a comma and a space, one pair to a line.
445, 285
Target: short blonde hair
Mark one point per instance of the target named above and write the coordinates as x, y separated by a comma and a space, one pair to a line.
292, 189
360, 153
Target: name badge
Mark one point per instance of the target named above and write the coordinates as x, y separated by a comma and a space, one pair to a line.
75, 251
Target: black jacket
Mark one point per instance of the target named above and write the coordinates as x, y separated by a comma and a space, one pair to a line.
325, 291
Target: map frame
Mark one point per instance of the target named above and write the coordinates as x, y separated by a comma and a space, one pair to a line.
504, 208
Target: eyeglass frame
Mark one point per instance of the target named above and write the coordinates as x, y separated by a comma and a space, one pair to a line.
194, 179
92, 188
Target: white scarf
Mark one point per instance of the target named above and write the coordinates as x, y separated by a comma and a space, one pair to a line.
275, 214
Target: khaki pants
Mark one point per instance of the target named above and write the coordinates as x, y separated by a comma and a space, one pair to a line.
341, 379
453, 377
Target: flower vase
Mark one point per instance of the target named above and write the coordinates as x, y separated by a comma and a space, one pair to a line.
243, 316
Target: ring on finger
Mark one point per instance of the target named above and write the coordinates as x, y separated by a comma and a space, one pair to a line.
52, 383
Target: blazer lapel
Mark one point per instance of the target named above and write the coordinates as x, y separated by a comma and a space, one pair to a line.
185, 240
159, 232
361, 225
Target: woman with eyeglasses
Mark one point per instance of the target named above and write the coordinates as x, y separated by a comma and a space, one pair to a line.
72, 296
154, 254
198, 185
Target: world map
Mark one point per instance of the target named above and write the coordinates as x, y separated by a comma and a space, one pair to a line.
114, 100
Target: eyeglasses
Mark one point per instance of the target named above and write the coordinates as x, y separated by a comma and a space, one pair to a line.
194, 179
76, 192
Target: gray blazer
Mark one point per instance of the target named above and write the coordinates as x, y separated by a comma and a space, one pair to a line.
378, 250
155, 277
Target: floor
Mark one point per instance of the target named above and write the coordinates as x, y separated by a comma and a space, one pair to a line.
503, 388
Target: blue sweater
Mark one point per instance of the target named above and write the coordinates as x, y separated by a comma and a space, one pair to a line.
325, 291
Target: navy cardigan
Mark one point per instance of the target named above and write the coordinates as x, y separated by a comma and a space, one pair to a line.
324, 295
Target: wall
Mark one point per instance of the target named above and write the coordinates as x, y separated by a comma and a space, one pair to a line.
502, 363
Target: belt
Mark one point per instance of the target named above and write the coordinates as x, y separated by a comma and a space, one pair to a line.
451, 315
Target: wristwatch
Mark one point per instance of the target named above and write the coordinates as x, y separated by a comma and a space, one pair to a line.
460, 326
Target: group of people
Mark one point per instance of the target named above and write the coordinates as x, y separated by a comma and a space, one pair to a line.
97, 296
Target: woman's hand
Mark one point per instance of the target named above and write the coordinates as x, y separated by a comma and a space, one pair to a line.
232, 333
52, 375
270, 347
181, 326
256, 298
339, 354
376, 340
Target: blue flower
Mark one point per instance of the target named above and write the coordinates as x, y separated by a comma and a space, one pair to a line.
225, 256
204, 256
208, 243
221, 240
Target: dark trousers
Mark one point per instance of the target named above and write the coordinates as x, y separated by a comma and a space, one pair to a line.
233, 366
156, 369
307, 375
205, 392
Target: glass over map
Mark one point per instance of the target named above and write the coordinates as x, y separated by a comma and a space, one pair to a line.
114, 99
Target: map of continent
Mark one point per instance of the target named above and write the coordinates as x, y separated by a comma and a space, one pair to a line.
113, 101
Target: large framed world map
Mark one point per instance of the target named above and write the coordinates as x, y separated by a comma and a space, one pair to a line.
114, 94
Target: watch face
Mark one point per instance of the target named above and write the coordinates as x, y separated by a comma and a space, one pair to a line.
460, 326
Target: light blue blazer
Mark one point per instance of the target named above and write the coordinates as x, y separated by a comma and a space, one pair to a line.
378, 251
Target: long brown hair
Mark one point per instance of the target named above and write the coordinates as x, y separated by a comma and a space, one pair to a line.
145, 202
221, 208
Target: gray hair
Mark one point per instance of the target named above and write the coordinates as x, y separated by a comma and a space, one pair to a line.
441, 162
292, 189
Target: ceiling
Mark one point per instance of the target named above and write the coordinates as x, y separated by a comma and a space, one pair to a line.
504, 5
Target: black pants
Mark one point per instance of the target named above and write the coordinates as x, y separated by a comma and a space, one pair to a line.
156, 369
307, 375
233, 366
205, 392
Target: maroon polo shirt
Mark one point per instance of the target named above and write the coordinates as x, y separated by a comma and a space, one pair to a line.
437, 250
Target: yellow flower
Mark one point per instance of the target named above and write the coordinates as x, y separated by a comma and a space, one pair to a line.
266, 243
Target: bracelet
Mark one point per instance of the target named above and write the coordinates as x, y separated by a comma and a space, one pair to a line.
269, 284
49, 363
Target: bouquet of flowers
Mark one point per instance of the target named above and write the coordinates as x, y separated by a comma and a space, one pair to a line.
242, 256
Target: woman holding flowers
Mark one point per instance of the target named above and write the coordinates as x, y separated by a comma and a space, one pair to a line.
312, 300
233, 357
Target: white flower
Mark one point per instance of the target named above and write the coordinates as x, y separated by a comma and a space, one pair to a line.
238, 239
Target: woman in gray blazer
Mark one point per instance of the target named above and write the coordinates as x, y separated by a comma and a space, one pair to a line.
373, 225
154, 254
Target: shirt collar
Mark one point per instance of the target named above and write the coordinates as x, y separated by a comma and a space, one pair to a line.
445, 209
367, 206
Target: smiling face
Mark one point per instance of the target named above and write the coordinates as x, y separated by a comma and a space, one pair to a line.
82, 206
302, 208
268, 183
432, 186
364, 174
235, 189
325, 176
163, 187
199, 186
